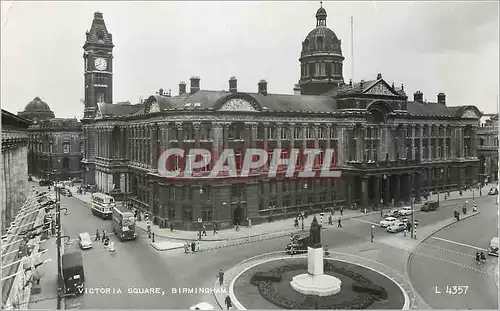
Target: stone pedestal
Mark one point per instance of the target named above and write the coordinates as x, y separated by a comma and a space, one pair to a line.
316, 282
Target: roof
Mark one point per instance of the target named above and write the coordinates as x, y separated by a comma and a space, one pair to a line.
330, 41
98, 33
70, 260
111, 110
10, 119
431, 109
37, 105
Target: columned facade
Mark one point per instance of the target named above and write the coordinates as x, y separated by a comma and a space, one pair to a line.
13, 167
487, 144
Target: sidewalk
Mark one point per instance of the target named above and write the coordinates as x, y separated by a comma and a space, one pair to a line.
282, 226
468, 194
45, 298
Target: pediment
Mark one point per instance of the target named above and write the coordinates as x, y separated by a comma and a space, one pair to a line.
381, 88
155, 107
469, 114
238, 104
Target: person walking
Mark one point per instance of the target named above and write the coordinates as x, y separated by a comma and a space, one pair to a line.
204, 231
341, 210
339, 225
215, 228
221, 277
330, 220
228, 302
97, 236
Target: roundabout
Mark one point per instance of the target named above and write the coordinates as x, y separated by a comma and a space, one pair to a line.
269, 285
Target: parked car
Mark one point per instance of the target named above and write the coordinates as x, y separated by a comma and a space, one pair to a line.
77, 180
398, 226
493, 191
430, 206
45, 183
405, 211
388, 221
493, 251
85, 240
392, 213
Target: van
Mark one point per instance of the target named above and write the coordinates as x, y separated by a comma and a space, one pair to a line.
493, 251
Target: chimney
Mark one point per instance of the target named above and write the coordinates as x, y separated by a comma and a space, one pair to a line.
379, 76
182, 88
442, 98
233, 85
297, 90
263, 87
418, 97
195, 84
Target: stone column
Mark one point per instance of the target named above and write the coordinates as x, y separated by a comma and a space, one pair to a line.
360, 142
227, 128
217, 135
413, 148
377, 189
397, 189
461, 141
429, 142
350, 189
391, 142
316, 135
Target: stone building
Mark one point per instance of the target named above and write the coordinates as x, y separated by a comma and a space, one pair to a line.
13, 169
488, 150
55, 149
389, 148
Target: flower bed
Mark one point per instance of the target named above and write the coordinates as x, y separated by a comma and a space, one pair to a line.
358, 291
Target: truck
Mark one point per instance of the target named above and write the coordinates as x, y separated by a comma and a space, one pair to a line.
73, 274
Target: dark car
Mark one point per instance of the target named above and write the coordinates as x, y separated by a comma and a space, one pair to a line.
45, 182
297, 245
430, 206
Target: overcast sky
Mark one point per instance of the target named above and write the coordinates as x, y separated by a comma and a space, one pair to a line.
449, 47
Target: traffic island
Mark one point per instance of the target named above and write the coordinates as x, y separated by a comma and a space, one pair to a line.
268, 286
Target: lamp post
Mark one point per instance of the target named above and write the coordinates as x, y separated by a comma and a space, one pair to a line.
200, 223
372, 228
413, 234
480, 189
382, 199
439, 183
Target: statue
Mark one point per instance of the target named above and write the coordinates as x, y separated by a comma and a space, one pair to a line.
315, 234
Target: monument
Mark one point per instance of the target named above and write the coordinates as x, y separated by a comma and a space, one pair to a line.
315, 282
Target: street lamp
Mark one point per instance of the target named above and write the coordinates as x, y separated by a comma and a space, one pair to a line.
413, 233
382, 199
480, 189
440, 177
372, 228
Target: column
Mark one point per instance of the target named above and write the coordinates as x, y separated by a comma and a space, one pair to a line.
364, 192
350, 189
227, 128
360, 139
217, 136
397, 189
391, 142
429, 142
461, 141
316, 135
377, 188
152, 145
413, 148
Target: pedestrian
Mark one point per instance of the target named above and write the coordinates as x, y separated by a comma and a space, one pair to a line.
215, 228
186, 247
104, 235
221, 277
330, 220
341, 211
198, 246
296, 223
193, 246
339, 225
171, 227
229, 304
237, 227
97, 237
204, 230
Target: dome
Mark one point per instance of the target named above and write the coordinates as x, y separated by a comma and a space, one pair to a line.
321, 38
37, 105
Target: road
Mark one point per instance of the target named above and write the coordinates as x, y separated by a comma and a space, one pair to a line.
136, 265
447, 259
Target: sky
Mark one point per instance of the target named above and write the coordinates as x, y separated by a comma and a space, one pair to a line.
449, 47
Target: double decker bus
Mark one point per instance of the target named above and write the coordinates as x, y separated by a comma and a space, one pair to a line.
123, 223
102, 205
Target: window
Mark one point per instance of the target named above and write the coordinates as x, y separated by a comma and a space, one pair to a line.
316, 69
189, 133
322, 69
206, 215
66, 148
283, 133
271, 133
297, 132
187, 213
309, 133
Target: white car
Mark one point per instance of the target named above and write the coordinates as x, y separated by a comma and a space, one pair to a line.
388, 221
398, 226
85, 240
405, 211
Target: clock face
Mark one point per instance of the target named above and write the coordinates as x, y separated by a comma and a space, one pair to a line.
100, 63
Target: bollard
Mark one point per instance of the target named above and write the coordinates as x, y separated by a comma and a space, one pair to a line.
153, 240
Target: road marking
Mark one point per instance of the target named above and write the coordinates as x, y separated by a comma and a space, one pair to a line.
456, 263
458, 243
368, 222
447, 250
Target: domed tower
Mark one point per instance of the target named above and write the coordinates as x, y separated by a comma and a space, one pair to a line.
37, 110
321, 59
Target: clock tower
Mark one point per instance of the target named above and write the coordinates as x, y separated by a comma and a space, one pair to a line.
98, 66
